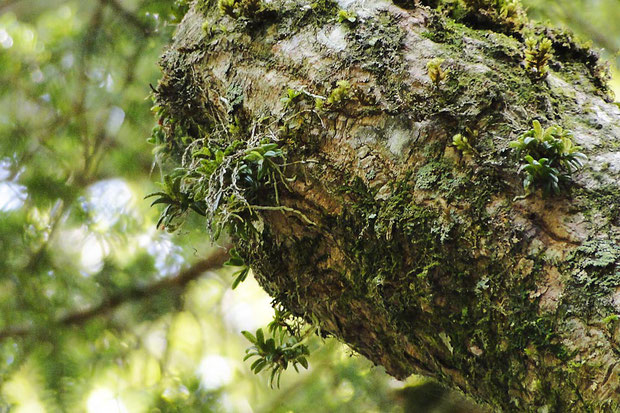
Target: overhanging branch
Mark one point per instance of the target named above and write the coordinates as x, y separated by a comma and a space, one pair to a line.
109, 304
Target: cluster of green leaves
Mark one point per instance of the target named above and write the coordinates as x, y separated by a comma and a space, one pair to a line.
297, 105
285, 347
220, 178
549, 157
435, 72
291, 97
176, 200
339, 94
463, 142
537, 56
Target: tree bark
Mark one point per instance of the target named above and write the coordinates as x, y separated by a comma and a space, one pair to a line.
420, 258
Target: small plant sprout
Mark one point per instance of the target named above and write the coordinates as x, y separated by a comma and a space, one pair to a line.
462, 143
347, 17
513, 13
435, 72
508, 13
548, 156
340, 93
510, 10
537, 55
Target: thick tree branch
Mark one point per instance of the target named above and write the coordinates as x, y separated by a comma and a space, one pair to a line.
424, 258
109, 304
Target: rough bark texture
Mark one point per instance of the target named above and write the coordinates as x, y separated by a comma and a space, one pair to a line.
421, 259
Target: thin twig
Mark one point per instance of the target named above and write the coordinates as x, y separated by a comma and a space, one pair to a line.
131, 18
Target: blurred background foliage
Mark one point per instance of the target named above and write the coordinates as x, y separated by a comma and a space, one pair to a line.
99, 310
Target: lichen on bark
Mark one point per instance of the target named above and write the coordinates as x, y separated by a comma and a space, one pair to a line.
418, 257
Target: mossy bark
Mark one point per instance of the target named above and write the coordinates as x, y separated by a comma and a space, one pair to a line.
421, 259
